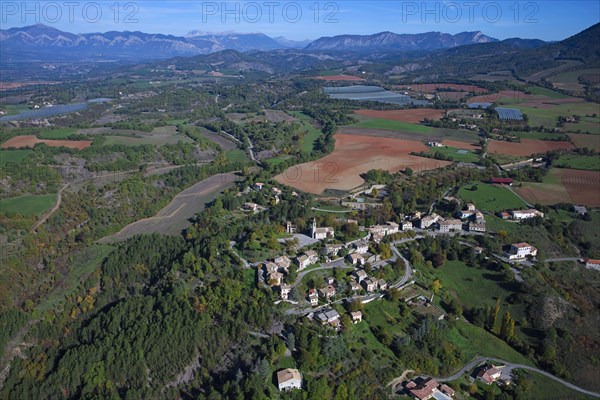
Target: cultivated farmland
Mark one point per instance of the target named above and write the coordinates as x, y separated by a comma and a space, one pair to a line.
526, 147
414, 116
30, 141
354, 155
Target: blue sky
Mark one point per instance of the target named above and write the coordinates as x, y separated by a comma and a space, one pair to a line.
547, 20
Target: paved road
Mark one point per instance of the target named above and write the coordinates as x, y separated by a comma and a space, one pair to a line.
511, 366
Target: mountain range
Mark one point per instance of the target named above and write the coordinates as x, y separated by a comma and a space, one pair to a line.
41, 43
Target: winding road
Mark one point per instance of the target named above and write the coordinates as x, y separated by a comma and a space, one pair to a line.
511, 366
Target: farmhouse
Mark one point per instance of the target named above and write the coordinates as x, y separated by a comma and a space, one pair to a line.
274, 278
312, 255
488, 374
355, 286
383, 285
476, 227
592, 264
302, 261
526, 214
407, 226
333, 249
388, 229
360, 275
321, 233
450, 225
519, 251
428, 220
313, 297
464, 214
434, 144
327, 292
356, 259
356, 317
330, 317
428, 388
361, 247
285, 291
581, 210
282, 262
369, 284
288, 379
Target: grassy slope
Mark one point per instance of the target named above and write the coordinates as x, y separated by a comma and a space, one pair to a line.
29, 204
490, 198
13, 156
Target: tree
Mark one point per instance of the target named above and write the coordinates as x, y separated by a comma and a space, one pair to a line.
507, 330
493, 316
436, 285
290, 341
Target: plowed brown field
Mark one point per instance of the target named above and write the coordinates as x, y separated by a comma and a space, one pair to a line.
527, 147
354, 155
413, 116
31, 141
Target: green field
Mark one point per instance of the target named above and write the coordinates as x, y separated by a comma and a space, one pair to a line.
453, 152
236, 155
536, 90
541, 136
28, 205
547, 117
473, 287
490, 198
385, 314
574, 161
475, 341
311, 134
278, 160
386, 124
13, 156
61, 133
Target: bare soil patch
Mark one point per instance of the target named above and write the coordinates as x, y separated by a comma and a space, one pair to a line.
526, 147
414, 116
354, 155
30, 141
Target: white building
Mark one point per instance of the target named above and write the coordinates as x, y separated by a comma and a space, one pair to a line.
519, 251
282, 262
476, 227
302, 261
361, 247
526, 214
450, 225
330, 316
407, 226
428, 220
288, 379
360, 275
313, 297
356, 316
285, 291
355, 259
592, 264
321, 233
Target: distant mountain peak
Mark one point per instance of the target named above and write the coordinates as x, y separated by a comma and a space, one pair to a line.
394, 41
